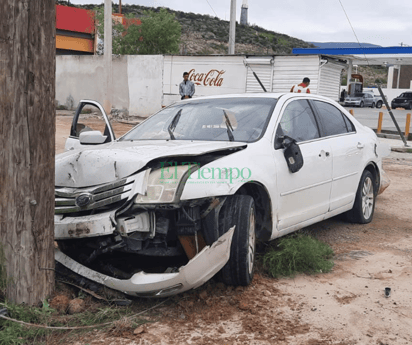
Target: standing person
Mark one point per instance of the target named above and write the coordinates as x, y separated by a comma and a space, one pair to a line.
343, 95
303, 87
186, 87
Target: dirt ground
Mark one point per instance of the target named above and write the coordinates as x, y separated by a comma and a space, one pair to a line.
346, 306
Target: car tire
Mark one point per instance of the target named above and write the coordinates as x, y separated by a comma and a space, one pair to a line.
379, 104
373, 105
239, 210
361, 104
410, 105
364, 206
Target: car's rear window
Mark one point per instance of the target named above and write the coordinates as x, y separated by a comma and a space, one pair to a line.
208, 119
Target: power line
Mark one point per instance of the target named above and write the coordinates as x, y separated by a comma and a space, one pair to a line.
347, 17
211, 7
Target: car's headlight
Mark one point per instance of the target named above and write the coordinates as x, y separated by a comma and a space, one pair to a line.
163, 184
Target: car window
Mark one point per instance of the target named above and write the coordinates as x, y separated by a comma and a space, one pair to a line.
332, 119
245, 118
349, 124
298, 122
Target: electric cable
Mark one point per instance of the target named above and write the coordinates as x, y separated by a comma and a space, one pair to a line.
211, 7
353, 30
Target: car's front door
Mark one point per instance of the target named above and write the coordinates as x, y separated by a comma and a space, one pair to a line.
305, 194
347, 152
89, 116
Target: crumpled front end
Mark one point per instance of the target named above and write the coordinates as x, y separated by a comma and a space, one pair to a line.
196, 272
136, 235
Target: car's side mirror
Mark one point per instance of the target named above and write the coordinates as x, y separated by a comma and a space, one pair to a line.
92, 138
292, 153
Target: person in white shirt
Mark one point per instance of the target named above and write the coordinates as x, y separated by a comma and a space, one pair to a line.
186, 87
303, 87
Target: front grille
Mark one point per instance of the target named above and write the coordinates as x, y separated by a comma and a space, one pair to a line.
98, 197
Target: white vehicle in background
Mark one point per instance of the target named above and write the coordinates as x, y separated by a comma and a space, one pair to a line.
184, 195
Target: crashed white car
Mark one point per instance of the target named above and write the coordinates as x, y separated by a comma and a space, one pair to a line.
184, 195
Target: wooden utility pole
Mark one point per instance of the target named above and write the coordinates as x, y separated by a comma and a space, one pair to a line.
27, 142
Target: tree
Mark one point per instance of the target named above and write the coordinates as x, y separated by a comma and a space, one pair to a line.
27, 141
158, 33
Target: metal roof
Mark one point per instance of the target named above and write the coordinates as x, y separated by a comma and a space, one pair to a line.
364, 56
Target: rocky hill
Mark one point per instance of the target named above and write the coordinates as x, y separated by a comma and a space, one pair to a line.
205, 35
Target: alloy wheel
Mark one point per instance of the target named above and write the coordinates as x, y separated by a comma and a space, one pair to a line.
252, 242
367, 198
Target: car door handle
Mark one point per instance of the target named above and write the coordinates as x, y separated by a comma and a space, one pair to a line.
360, 146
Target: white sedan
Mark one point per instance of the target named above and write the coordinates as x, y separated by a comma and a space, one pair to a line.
186, 194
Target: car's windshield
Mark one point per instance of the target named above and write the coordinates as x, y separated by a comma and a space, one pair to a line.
406, 95
225, 119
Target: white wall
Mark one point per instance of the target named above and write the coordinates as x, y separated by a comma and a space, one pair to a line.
145, 81
83, 77
212, 75
290, 70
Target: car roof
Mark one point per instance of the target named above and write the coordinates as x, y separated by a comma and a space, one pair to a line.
274, 95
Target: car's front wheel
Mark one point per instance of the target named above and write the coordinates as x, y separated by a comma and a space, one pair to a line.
379, 104
361, 104
410, 105
364, 206
239, 210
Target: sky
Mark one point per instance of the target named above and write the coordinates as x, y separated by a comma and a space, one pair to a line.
382, 22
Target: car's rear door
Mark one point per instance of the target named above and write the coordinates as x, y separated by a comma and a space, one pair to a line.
304, 194
347, 148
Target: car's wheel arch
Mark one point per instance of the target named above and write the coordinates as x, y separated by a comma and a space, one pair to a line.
263, 208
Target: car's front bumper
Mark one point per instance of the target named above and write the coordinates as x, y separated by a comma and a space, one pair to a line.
352, 103
196, 272
400, 105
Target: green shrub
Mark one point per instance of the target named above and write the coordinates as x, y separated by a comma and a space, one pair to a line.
298, 253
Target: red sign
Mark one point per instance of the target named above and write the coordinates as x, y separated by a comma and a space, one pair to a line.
211, 78
74, 19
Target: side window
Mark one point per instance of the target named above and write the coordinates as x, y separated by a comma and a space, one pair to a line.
332, 119
298, 122
349, 124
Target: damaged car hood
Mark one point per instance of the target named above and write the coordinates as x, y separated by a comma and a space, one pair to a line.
100, 164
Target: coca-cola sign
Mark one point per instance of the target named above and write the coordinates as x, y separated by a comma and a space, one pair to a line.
211, 78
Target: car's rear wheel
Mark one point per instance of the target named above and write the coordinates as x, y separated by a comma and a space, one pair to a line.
373, 105
379, 104
239, 210
410, 105
361, 104
364, 206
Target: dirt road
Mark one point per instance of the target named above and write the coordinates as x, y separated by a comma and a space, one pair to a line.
346, 306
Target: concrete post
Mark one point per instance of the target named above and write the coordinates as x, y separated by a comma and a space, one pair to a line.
232, 30
107, 103
390, 77
399, 76
349, 76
